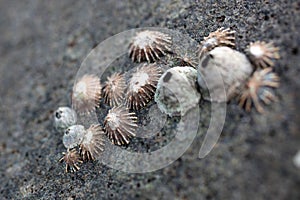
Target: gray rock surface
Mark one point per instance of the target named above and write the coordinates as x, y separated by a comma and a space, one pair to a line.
42, 44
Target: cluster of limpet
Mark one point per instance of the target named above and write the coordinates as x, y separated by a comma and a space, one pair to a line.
87, 144
259, 87
120, 94
242, 76
82, 145
175, 91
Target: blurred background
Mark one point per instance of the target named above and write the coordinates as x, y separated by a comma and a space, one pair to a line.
42, 45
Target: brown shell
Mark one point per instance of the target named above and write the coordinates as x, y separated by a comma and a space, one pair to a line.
120, 125
149, 46
142, 86
93, 143
262, 54
86, 94
220, 37
259, 89
187, 60
72, 160
114, 89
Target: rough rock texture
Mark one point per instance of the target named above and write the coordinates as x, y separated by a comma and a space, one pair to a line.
42, 44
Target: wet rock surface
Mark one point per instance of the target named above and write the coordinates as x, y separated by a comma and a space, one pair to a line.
41, 47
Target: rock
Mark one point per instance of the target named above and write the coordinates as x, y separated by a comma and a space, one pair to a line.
73, 136
223, 69
64, 117
176, 91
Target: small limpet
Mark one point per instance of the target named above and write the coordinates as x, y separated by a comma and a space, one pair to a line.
86, 94
142, 85
120, 125
73, 136
114, 89
262, 54
259, 89
72, 160
93, 143
220, 37
187, 60
149, 46
63, 118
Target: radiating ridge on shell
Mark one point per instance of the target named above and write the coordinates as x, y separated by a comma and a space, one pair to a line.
263, 54
187, 60
93, 142
149, 46
259, 89
114, 89
142, 85
72, 160
220, 37
120, 125
86, 94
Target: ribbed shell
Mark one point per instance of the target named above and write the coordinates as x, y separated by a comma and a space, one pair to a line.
142, 86
263, 54
259, 89
86, 94
114, 89
72, 160
120, 125
93, 143
149, 46
220, 37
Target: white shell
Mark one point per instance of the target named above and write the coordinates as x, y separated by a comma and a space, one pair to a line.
296, 160
176, 91
231, 66
63, 118
73, 136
